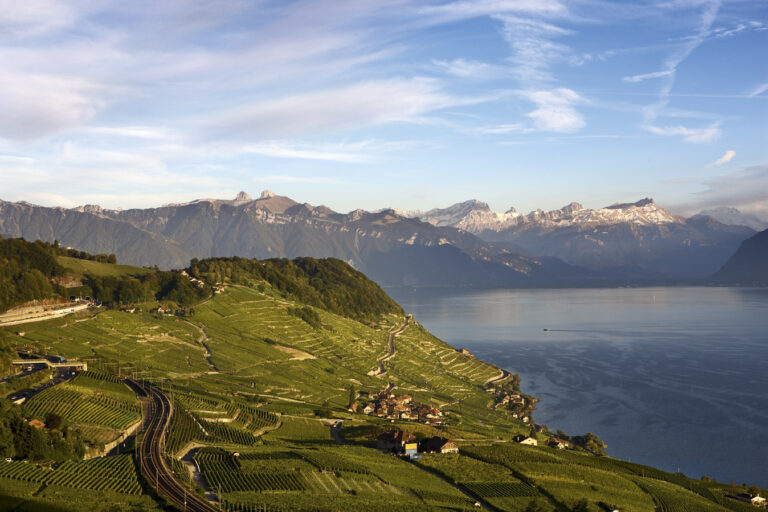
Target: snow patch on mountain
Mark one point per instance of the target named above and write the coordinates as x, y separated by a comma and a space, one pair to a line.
475, 216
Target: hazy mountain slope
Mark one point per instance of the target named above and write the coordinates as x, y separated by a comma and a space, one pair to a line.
89, 232
749, 266
734, 217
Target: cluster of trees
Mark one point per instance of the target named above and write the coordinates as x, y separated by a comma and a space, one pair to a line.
82, 255
159, 285
26, 269
329, 283
19, 440
589, 442
307, 314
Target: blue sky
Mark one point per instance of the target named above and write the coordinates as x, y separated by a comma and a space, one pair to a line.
374, 103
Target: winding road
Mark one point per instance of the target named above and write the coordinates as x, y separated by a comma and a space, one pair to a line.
150, 453
380, 362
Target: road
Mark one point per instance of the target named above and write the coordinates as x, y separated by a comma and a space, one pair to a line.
150, 453
380, 362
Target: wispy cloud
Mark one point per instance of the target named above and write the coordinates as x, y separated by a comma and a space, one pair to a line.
533, 46
696, 135
354, 106
757, 91
646, 76
556, 112
37, 105
465, 9
727, 157
467, 68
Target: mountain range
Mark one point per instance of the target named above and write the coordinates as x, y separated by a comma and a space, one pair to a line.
464, 245
634, 240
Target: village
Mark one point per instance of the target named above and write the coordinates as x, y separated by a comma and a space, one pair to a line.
386, 404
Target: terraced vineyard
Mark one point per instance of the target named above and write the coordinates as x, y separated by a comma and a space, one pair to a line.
88, 399
117, 474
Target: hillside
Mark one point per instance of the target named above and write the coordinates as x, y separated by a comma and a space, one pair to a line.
262, 370
749, 265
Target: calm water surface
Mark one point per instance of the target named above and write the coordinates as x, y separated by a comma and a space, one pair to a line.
672, 377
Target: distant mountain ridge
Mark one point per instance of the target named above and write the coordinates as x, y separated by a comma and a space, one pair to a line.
734, 217
392, 249
639, 239
463, 245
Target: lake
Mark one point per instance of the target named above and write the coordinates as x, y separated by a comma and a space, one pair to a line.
676, 378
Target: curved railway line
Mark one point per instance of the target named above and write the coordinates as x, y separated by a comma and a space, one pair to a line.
150, 453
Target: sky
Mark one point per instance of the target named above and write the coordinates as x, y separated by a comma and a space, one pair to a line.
378, 103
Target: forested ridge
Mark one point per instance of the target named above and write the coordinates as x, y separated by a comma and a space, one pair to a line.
26, 270
328, 284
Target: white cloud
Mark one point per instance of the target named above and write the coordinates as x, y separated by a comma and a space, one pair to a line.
757, 91
36, 105
344, 108
468, 68
533, 49
646, 76
696, 135
727, 157
504, 128
555, 112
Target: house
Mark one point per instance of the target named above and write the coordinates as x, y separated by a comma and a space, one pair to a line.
527, 440
37, 424
556, 443
369, 408
753, 499
466, 352
439, 445
411, 448
353, 407
394, 440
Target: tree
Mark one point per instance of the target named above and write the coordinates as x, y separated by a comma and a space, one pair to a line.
352, 395
52, 420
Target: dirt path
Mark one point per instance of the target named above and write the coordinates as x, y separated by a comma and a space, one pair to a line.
503, 375
203, 341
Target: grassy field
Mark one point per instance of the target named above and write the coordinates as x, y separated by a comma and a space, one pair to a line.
82, 267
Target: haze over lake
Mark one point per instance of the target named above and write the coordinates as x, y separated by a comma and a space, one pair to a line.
670, 377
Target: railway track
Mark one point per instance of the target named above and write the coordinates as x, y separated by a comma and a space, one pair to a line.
150, 453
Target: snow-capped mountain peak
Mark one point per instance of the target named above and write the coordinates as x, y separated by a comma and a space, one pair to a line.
475, 216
